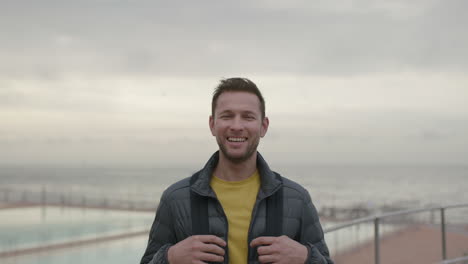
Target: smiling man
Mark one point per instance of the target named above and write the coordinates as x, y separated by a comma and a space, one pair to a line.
236, 210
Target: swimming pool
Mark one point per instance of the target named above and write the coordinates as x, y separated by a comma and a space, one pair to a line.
26, 228
121, 251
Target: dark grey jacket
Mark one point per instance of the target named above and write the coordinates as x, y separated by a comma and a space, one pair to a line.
173, 221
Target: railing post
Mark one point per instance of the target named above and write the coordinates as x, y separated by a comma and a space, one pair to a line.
43, 203
43, 196
442, 225
376, 241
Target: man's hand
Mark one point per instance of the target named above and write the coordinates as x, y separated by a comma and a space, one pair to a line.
197, 249
279, 250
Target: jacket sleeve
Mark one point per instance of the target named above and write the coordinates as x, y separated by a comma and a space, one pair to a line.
161, 236
312, 235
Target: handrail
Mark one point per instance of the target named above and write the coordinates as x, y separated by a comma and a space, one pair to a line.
390, 214
376, 219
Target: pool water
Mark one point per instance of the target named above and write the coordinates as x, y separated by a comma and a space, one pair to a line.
22, 228
122, 251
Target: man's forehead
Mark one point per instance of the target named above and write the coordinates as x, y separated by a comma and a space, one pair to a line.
238, 97
239, 101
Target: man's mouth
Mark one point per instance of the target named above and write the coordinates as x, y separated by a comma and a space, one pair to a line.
236, 139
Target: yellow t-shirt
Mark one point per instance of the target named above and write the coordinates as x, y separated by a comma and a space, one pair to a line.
238, 199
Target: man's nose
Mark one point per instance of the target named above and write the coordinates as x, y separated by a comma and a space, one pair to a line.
237, 124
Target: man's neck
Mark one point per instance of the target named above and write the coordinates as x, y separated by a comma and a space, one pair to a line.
230, 171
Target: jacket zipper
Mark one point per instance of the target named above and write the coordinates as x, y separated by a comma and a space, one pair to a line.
249, 235
226, 251
254, 214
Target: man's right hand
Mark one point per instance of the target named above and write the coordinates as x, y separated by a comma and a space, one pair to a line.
197, 249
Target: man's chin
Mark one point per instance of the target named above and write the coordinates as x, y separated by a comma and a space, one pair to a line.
237, 158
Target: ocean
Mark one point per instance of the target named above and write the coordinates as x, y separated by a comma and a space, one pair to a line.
328, 185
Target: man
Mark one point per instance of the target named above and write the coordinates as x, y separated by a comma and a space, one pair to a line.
231, 197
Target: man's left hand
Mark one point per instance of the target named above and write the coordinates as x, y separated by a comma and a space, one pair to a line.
279, 250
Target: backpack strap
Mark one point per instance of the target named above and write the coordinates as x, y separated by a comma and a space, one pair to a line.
199, 210
274, 212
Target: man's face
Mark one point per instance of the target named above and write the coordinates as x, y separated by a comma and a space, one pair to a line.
238, 125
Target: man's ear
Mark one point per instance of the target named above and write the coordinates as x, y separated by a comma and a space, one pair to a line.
264, 128
211, 124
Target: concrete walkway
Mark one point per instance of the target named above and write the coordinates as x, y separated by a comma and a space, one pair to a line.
416, 245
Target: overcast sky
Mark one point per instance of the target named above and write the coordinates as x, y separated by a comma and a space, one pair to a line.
119, 82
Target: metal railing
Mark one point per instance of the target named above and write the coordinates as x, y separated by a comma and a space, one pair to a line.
44, 197
377, 219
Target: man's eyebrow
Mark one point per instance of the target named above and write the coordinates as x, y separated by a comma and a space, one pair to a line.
245, 112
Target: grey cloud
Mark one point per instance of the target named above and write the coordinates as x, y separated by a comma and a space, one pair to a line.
210, 37
354, 125
60, 101
432, 135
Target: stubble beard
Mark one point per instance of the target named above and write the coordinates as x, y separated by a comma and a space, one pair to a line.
251, 149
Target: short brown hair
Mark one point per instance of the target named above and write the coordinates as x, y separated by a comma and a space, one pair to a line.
237, 84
